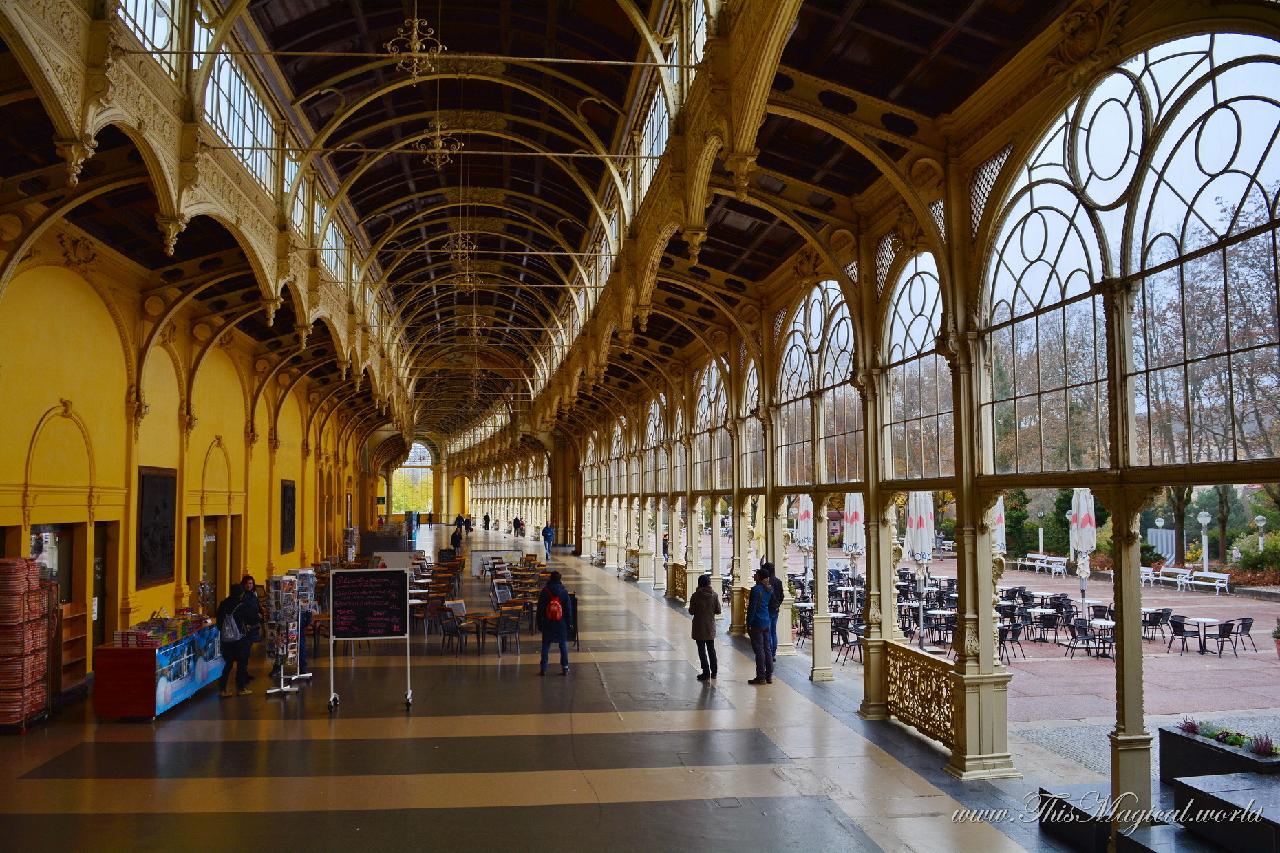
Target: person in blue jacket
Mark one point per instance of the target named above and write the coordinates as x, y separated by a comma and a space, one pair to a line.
758, 624
553, 621
548, 537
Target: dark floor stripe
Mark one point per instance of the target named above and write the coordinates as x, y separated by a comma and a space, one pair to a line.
696, 826
445, 691
497, 754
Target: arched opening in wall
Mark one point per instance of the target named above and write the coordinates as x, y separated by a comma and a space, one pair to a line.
412, 484
1158, 188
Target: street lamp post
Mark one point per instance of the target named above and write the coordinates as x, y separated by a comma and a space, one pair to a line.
1204, 518
1261, 522
1040, 529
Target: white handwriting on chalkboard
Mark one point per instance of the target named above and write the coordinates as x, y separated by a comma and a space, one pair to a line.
369, 604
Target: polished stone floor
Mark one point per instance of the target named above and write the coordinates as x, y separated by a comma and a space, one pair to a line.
629, 752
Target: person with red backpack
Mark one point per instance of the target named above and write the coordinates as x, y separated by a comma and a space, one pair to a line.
553, 620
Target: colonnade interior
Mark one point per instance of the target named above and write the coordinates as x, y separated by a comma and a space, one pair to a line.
273, 272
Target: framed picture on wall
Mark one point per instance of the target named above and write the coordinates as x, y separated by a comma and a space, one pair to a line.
157, 524
288, 515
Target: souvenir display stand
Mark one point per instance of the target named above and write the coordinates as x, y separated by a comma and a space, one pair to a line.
284, 627
369, 604
156, 665
27, 605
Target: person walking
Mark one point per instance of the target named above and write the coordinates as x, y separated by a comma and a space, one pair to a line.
553, 621
775, 606
666, 548
486, 521
455, 541
250, 613
548, 536
758, 625
704, 604
235, 644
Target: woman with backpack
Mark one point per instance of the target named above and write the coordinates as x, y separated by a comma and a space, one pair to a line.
704, 604
553, 620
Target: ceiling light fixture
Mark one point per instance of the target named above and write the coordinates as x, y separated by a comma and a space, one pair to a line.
416, 46
438, 147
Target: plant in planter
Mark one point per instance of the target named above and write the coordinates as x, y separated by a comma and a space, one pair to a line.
1194, 748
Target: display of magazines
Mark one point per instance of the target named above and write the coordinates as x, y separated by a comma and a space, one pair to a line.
27, 605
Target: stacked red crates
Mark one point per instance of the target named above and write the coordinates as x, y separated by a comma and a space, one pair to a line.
25, 628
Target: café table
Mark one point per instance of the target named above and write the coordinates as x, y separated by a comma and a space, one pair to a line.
1102, 625
1201, 622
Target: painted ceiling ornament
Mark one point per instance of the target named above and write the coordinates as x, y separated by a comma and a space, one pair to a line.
416, 46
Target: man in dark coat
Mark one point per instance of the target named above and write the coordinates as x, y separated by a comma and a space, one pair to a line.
758, 627
775, 606
554, 630
486, 521
704, 604
455, 541
234, 652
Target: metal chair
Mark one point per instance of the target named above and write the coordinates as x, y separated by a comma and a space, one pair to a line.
1225, 634
1178, 631
1242, 631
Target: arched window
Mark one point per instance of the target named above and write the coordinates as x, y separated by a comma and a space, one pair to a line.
412, 484
920, 408
711, 453
679, 474
1164, 175
795, 385
842, 437
751, 438
653, 435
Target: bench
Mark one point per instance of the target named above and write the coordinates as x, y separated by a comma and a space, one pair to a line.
1175, 575
1218, 580
1147, 576
1046, 562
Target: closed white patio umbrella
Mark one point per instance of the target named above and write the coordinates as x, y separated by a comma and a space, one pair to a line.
854, 536
1083, 536
804, 529
997, 530
920, 542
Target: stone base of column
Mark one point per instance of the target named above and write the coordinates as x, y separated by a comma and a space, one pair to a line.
646, 567
738, 613
821, 646
181, 597
1131, 770
612, 556
875, 705
981, 750
786, 642
659, 576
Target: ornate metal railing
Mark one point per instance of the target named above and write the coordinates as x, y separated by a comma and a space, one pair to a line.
679, 582
921, 691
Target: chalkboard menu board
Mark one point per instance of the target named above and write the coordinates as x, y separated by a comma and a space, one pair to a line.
368, 604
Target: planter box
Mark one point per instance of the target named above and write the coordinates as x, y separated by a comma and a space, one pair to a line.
1182, 754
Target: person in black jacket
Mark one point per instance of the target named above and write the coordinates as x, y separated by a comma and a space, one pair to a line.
250, 613
455, 541
554, 630
231, 620
775, 605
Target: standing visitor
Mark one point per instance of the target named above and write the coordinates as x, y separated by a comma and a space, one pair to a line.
235, 645
548, 536
250, 612
666, 547
775, 606
553, 620
455, 541
704, 604
758, 625
486, 521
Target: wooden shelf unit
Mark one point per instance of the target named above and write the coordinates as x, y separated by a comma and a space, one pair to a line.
75, 645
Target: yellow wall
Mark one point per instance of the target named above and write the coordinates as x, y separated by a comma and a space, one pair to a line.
69, 339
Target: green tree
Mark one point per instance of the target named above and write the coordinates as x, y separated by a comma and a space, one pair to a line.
1019, 538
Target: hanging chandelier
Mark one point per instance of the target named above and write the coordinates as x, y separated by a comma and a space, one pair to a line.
438, 147
416, 46
460, 248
